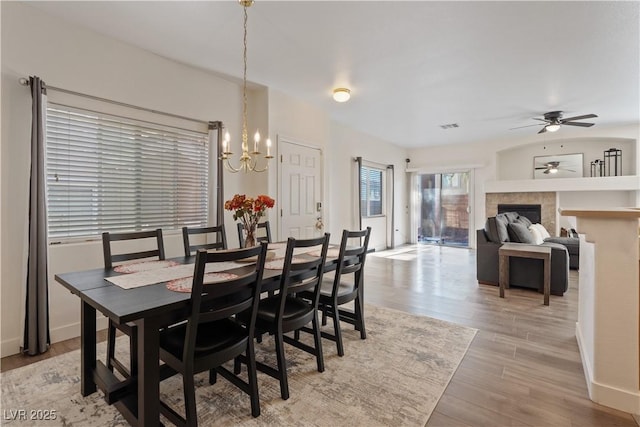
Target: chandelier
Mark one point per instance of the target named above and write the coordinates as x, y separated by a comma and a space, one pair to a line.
248, 160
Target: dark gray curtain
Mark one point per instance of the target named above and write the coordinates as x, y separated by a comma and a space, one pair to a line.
36, 322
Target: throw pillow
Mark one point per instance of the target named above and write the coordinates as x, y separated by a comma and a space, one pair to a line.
543, 231
524, 220
537, 237
520, 233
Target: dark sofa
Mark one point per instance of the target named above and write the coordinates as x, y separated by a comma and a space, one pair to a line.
523, 272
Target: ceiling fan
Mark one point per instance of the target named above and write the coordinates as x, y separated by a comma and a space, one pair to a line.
554, 121
552, 167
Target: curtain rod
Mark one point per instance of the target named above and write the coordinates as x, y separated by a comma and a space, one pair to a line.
25, 82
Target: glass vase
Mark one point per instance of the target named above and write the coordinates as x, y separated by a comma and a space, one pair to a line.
250, 240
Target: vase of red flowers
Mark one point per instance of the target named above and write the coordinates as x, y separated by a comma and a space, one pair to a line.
249, 211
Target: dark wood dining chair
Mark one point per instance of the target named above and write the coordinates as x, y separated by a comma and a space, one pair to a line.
110, 258
220, 238
211, 335
287, 312
347, 285
265, 237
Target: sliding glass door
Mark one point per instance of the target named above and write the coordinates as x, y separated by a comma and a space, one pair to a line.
443, 203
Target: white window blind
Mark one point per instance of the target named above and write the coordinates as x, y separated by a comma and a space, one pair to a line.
371, 191
108, 173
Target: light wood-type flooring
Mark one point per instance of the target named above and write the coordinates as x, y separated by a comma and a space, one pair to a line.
523, 367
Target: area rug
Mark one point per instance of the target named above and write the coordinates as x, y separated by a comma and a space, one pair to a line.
394, 377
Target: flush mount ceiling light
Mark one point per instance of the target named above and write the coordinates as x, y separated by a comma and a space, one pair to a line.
341, 94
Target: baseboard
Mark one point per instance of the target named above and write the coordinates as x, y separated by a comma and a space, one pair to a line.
604, 394
12, 346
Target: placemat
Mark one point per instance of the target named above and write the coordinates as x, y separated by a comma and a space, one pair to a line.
143, 266
184, 284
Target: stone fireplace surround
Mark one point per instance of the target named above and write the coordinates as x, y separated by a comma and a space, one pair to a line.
547, 201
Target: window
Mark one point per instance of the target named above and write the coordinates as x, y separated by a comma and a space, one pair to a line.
108, 173
371, 191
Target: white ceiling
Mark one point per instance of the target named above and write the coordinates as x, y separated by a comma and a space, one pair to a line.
411, 65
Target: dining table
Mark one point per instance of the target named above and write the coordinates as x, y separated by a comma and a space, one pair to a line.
151, 306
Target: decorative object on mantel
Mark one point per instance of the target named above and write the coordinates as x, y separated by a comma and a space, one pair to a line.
597, 168
613, 161
558, 166
247, 163
249, 211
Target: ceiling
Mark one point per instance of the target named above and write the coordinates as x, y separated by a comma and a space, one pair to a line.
412, 66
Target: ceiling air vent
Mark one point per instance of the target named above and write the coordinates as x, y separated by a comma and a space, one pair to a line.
450, 126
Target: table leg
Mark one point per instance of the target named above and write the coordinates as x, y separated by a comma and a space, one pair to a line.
87, 349
503, 278
547, 279
148, 372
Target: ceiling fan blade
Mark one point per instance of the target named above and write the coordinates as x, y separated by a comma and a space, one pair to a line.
547, 171
543, 130
545, 167
584, 125
527, 126
586, 116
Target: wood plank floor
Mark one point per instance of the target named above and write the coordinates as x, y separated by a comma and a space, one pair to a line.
522, 369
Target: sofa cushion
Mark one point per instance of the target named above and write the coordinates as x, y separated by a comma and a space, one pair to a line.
502, 220
490, 230
520, 233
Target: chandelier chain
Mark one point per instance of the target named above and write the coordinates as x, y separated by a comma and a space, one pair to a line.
244, 84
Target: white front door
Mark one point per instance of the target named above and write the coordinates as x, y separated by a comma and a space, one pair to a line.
300, 191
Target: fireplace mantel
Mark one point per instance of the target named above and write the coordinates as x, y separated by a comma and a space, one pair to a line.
607, 183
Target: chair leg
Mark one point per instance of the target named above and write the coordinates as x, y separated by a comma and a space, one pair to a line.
190, 400
237, 367
359, 320
317, 338
213, 376
337, 332
252, 379
111, 344
282, 366
324, 315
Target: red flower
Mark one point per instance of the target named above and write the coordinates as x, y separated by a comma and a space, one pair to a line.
249, 210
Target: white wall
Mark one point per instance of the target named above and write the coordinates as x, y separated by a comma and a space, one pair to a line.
347, 144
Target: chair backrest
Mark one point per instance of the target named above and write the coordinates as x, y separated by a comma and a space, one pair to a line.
351, 258
264, 238
218, 230
110, 258
303, 275
224, 299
